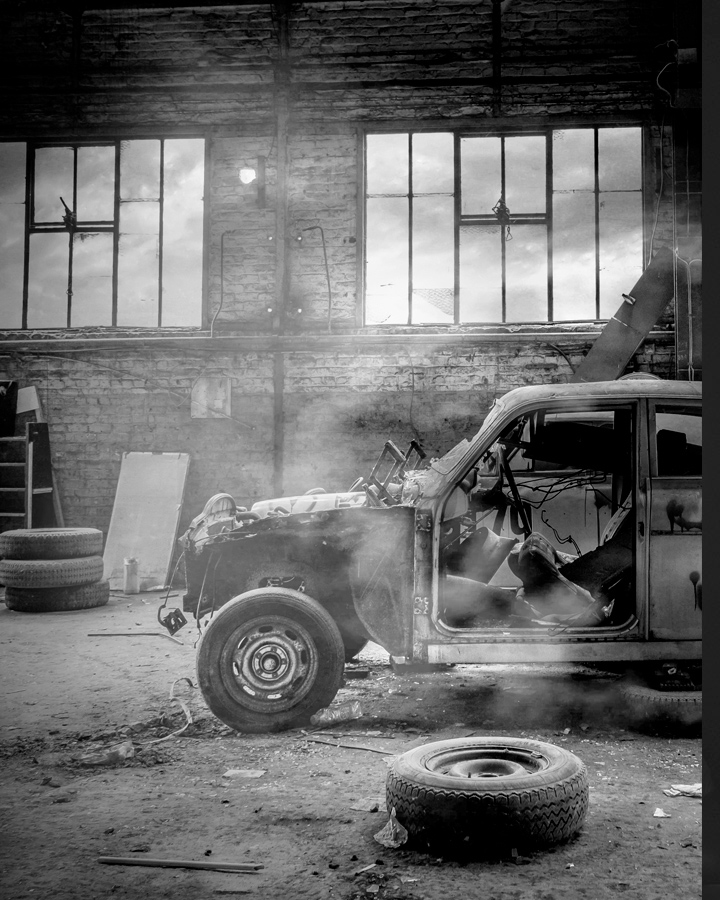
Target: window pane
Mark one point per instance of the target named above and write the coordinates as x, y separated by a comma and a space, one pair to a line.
679, 442
525, 174
619, 159
387, 163
12, 228
92, 279
432, 163
183, 232
620, 248
95, 184
573, 160
526, 274
480, 274
480, 175
48, 281
387, 261
433, 260
140, 170
573, 255
138, 264
53, 180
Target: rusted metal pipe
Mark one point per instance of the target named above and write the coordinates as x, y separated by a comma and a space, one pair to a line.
180, 864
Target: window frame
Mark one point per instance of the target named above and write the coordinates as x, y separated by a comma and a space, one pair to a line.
530, 127
33, 144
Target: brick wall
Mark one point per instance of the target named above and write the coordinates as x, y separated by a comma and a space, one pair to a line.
220, 72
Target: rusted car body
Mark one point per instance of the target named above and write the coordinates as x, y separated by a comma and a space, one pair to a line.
420, 560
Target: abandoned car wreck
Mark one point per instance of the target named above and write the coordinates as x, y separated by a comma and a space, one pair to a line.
350, 449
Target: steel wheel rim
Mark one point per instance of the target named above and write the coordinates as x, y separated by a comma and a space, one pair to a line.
270, 664
483, 763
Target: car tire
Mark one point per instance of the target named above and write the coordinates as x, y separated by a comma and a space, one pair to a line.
50, 573
57, 599
648, 709
269, 659
483, 794
50, 543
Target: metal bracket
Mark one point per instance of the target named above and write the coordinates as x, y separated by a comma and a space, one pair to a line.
173, 621
423, 522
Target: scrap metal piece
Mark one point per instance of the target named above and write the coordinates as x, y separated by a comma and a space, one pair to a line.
180, 864
628, 328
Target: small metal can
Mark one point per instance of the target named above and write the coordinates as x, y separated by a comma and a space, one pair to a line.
132, 577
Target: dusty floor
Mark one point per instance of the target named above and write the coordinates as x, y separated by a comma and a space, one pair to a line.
66, 692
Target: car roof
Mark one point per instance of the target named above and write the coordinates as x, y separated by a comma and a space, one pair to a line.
602, 390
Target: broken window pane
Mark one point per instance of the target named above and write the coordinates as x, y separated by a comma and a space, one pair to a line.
573, 159
53, 180
433, 260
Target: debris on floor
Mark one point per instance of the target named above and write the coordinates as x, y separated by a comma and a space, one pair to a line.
244, 773
393, 834
109, 756
181, 864
352, 671
341, 712
369, 804
316, 740
684, 790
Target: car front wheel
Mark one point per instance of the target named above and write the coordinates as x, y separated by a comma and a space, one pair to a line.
269, 659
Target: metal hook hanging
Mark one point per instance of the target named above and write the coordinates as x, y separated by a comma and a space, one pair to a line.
503, 216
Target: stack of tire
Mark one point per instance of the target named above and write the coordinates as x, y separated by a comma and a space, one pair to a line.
52, 569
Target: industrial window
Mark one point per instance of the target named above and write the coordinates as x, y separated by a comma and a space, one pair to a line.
108, 233
532, 227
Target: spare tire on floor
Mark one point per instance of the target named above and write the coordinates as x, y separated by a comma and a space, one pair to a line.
58, 599
648, 709
471, 796
50, 543
45, 573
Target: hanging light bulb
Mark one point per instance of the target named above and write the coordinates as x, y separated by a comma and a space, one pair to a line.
247, 175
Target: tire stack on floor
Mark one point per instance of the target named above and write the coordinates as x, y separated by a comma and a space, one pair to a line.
52, 569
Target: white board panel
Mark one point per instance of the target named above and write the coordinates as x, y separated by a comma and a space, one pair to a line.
145, 516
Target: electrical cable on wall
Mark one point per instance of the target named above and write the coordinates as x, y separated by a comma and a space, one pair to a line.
327, 269
412, 399
222, 276
691, 347
661, 186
